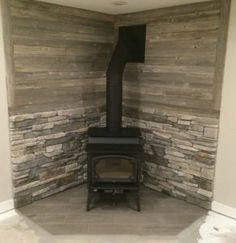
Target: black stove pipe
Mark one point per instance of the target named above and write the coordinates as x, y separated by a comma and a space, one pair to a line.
114, 86
129, 48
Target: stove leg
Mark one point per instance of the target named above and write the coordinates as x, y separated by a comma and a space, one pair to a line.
138, 201
88, 200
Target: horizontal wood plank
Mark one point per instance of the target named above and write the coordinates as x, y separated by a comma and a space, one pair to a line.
180, 57
60, 55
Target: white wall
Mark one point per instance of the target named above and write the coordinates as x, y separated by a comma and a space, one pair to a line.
5, 164
225, 178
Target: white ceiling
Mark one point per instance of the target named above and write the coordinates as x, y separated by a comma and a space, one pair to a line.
107, 6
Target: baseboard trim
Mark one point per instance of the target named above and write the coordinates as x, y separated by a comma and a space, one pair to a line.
223, 209
6, 206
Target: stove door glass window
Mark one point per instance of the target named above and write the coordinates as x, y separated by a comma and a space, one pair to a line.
114, 169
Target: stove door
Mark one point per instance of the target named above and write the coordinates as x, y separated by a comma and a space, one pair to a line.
114, 168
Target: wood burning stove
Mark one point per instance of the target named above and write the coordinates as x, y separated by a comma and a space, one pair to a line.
114, 162
115, 153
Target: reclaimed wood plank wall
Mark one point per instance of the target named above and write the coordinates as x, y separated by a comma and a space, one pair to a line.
60, 55
181, 51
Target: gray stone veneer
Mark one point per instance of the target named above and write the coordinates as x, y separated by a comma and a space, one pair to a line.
47, 152
180, 152
48, 155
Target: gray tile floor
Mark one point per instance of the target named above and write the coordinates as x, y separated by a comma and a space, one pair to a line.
65, 214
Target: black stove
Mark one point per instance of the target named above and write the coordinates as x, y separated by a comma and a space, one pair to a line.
115, 153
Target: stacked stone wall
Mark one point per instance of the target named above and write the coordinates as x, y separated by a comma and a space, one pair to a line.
48, 152
180, 152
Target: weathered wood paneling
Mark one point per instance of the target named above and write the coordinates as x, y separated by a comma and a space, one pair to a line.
181, 53
60, 55
189, 11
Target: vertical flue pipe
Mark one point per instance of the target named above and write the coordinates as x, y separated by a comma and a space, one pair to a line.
114, 85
